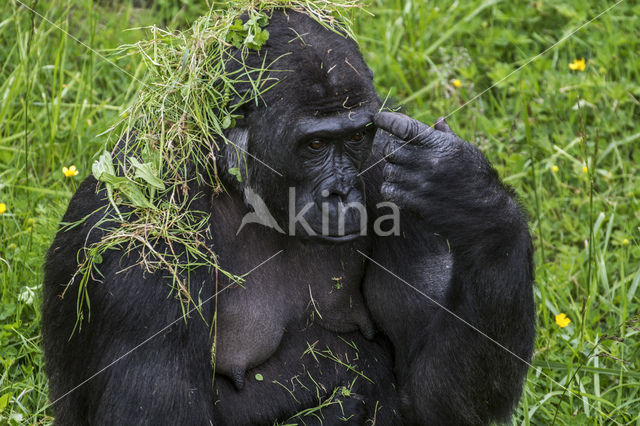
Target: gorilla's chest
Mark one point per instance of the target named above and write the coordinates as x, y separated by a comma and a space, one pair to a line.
289, 284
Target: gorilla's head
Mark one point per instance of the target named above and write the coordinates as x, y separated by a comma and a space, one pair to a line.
310, 134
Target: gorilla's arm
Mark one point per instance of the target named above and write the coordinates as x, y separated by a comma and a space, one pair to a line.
464, 246
116, 368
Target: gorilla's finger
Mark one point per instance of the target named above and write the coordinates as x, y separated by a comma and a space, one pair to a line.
404, 127
398, 152
388, 190
390, 148
394, 193
441, 125
407, 178
405, 154
392, 173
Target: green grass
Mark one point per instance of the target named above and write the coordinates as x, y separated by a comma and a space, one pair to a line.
57, 98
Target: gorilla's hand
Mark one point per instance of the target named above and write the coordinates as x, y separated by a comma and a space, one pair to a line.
431, 170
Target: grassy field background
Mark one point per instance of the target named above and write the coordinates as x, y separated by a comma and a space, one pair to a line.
567, 140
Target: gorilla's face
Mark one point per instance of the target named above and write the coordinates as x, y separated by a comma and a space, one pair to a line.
317, 191
311, 133
329, 154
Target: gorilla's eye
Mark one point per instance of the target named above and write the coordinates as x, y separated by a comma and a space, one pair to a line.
316, 144
358, 136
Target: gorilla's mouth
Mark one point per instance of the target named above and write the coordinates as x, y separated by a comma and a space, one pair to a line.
339, 238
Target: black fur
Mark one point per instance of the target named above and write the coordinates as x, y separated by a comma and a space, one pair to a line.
320, 321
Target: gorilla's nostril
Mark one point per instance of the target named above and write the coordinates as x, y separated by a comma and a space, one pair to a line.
341, 190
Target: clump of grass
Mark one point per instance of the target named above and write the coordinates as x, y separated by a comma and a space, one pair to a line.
169, 137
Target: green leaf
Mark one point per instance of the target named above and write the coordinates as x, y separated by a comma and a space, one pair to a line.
237, 26
257, 40
104, 171
184, 59
135, 196
4, 400
103, 166
234, 171
261, 37
237, 40
249, 40
252, 21
146, 172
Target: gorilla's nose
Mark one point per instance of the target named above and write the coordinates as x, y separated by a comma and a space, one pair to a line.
341, 190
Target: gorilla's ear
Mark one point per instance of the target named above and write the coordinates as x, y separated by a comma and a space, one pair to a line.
234, 161
370, 73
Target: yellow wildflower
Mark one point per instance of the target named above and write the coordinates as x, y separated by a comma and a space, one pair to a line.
577, 65
70, 171
562, 320
457, 83
625, 242
3, 208
555, 168
585, 169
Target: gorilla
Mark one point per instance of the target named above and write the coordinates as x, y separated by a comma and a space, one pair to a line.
423, 315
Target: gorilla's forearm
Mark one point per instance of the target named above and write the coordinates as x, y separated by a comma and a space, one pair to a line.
463, 339
485, 335
463, 335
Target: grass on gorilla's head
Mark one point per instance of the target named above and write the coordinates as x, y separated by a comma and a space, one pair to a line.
169, 134
540, 127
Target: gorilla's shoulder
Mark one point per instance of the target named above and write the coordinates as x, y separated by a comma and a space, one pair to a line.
85, 200
87, 207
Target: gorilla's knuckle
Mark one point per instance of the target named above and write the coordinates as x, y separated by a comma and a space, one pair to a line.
390, 151
388, 190
407, 127
435, 164
388, 172
400, 170
416, 129
426, 188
